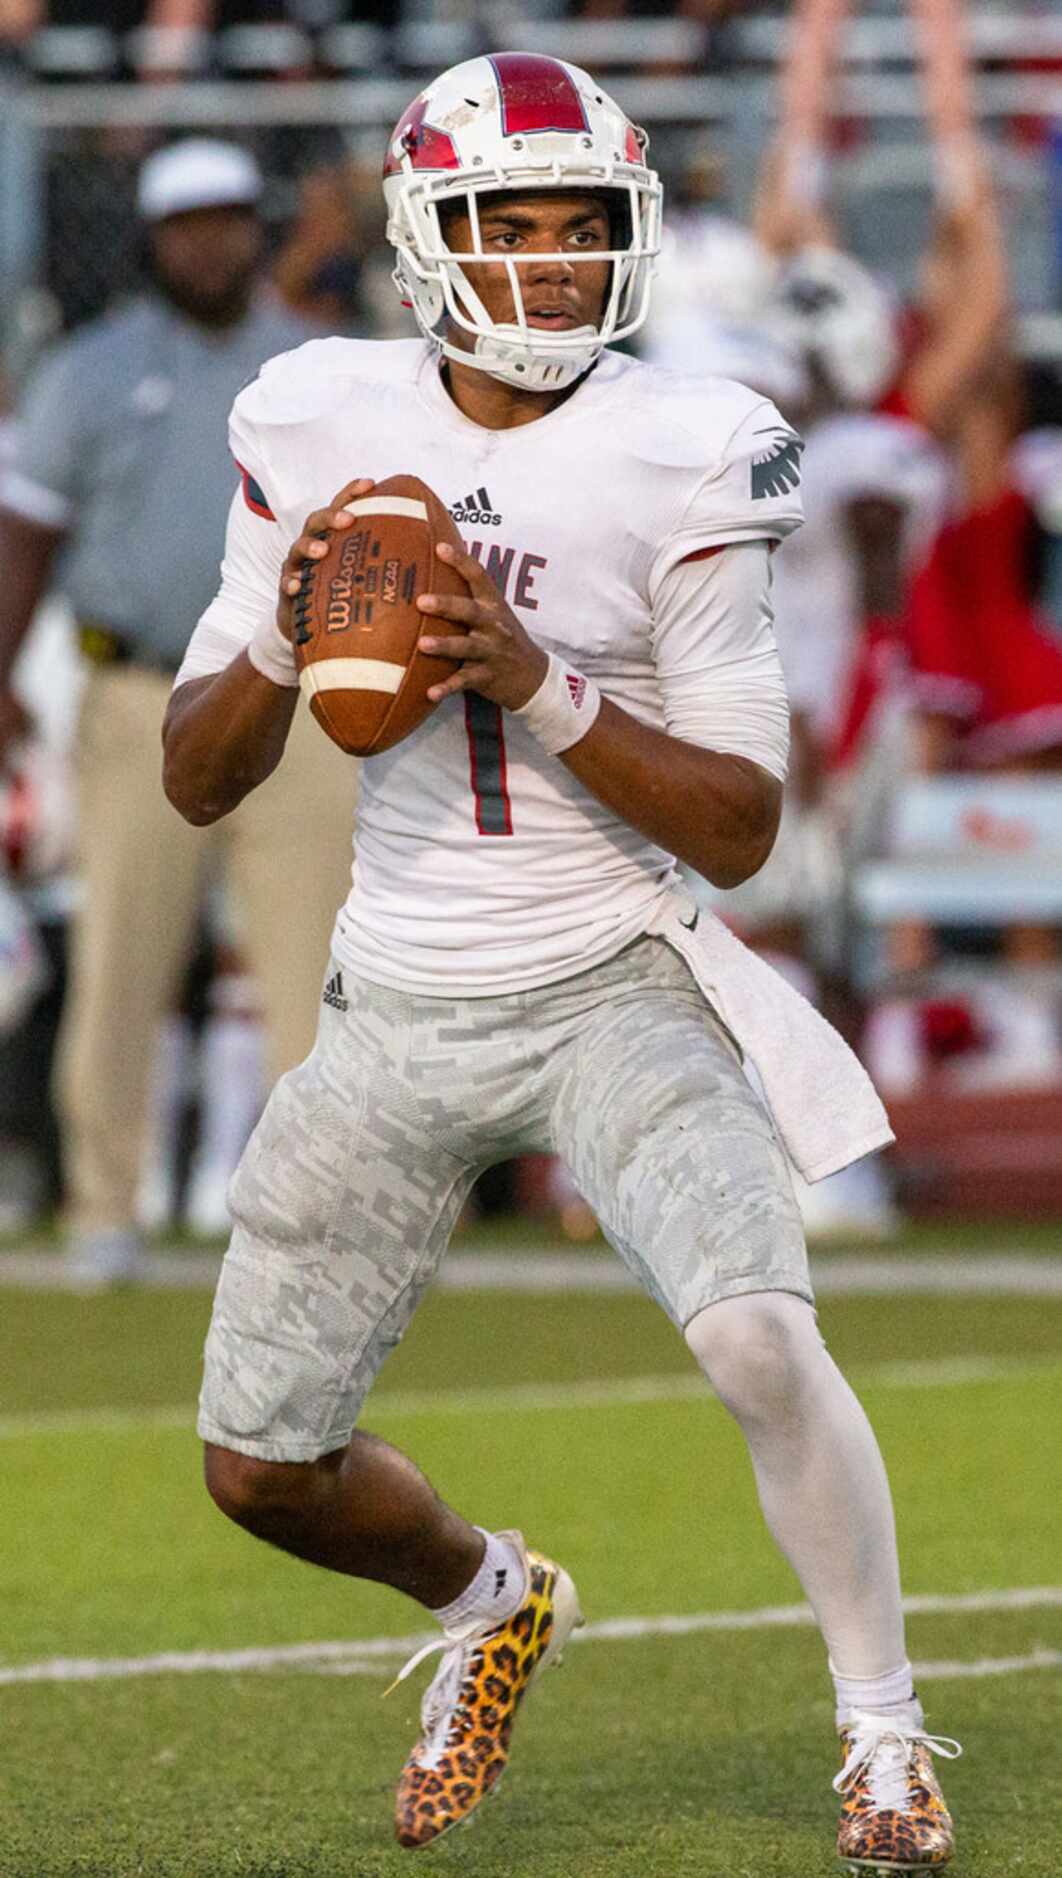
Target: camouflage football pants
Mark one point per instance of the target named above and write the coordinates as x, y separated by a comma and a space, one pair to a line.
350, 1186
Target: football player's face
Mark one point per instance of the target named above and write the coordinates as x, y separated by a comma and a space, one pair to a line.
558, 293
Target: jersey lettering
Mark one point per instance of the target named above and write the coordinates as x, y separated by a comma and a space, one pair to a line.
499, 565
525, 578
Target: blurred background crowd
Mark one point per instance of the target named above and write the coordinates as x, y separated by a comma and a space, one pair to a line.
865, 222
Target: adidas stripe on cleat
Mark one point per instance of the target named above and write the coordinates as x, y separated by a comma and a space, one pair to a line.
470, 1705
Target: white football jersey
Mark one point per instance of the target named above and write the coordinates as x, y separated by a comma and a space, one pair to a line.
482, 866
816, 599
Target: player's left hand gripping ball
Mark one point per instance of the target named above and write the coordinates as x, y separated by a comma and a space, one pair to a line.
356, 621
496, 656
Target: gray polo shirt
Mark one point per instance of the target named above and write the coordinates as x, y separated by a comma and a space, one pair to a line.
123, 441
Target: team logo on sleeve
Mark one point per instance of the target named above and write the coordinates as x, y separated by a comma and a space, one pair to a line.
778, 470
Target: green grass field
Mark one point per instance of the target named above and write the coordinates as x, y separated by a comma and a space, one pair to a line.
656, 1755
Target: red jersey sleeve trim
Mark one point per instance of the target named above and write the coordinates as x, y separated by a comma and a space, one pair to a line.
254, 494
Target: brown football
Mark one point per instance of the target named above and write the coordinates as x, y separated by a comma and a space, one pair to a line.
357, 623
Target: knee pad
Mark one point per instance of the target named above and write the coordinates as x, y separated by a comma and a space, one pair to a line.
756, 1350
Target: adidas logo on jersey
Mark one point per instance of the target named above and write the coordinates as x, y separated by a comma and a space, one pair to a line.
333, 993
476, 511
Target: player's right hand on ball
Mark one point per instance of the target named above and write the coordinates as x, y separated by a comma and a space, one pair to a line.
312, 544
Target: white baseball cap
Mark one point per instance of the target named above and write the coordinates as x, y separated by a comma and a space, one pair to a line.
198, 173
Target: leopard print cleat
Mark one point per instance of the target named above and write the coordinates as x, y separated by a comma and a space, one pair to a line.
893, 1817
470, 1705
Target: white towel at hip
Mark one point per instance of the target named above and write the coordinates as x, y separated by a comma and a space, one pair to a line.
824, 1104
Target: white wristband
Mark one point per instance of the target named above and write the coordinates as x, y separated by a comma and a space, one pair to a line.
273, 655
562, 709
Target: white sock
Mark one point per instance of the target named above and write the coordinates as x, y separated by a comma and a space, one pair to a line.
891, 1694
495, 1593
819, 1472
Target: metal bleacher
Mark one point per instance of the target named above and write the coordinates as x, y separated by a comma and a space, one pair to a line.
962, 851
971, 854
878, 43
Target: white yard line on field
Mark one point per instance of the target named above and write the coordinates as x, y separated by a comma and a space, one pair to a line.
541, 1273
102, 1421
988, 1666
161, 1271
609, 1392
833, 1274
364, 1656
924, 1672
948, 1276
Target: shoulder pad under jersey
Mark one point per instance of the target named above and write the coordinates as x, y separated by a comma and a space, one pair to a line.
297, 386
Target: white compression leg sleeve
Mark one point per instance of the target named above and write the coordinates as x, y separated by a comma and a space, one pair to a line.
819, 1472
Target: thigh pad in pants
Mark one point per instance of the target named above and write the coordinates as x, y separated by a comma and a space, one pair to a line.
672, 1147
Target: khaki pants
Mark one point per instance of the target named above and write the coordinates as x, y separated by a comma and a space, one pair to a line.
285, 854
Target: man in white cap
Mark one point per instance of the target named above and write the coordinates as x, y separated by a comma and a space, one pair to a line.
199, 200
121, 458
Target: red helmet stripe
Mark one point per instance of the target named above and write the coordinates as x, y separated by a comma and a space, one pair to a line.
426, 147
536, 94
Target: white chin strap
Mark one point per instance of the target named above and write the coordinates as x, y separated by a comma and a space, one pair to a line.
507, 353
514, 352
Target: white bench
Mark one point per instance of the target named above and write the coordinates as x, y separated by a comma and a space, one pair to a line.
968, 851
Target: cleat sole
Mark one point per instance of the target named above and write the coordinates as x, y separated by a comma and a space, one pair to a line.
567, 1617
874, 1868
466, 1820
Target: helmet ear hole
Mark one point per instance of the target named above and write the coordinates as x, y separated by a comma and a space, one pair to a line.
433, 308
428, 302
423, 296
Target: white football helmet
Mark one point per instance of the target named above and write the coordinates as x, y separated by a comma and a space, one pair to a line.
838, 313
515, 121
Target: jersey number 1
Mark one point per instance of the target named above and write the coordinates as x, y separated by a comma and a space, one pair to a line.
486, 751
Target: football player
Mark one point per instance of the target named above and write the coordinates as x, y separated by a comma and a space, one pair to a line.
516, 967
